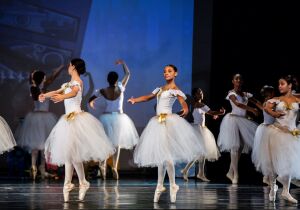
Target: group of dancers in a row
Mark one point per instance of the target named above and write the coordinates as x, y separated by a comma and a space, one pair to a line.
167, 139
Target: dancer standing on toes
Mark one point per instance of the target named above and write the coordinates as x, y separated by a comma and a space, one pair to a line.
77, 136
37, 125
236, 131
212, 152
7, 140
167, 139
279, 149
118, 126
267, 93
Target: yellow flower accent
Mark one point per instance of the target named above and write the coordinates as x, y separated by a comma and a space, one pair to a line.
162, 117
288, 106
66, 86
70, 116
295, 132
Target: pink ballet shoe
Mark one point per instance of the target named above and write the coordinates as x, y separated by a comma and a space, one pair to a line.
272, 194
202, 178
229, 175
173, 192
103, 171
287, 196
184, 175
82, 190
68, 187
266, 180
115, 173
235, 180
158, 191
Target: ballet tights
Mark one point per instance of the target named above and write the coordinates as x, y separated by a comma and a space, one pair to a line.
69, 168
167, 166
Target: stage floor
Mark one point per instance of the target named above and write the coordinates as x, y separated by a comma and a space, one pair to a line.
138, 194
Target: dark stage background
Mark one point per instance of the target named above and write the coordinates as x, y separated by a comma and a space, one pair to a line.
209, 40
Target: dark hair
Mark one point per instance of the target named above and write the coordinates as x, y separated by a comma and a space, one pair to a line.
237, 75
290, 79
173, 66
267, 91
112, 77
194, 91
79, 65
37, 77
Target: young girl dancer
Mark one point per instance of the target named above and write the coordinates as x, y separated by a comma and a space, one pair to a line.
236, 131
267, 93
118, 126
167, 139
38, 124
212, 152
77, 136
279, 150
7, 140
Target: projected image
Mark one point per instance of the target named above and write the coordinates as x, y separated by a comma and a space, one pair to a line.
37, 35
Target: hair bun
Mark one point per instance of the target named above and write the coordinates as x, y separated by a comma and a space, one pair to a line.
79, 65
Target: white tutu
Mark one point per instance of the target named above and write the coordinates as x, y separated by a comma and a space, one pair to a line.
35, 129
7, 141
236, 131
77, 139
278, 153
212, 151
173, 140
260, 136
120, 130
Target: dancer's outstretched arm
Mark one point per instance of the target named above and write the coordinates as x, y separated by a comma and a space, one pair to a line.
126, 72
141, 98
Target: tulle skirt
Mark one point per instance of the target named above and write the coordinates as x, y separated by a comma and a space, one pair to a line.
77, 138
172, 140
7, 140
260, 136
120, 130
236, 132
34, 131
277, 152
209, 142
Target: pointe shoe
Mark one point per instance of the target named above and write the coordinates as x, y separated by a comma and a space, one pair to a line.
184, 175
287, 196
103, 171
229, 175
158, 192
82, 190
115, 173
67, 189
203, 178
272, 194
235, 180
173, 192
34, 172
266, 180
